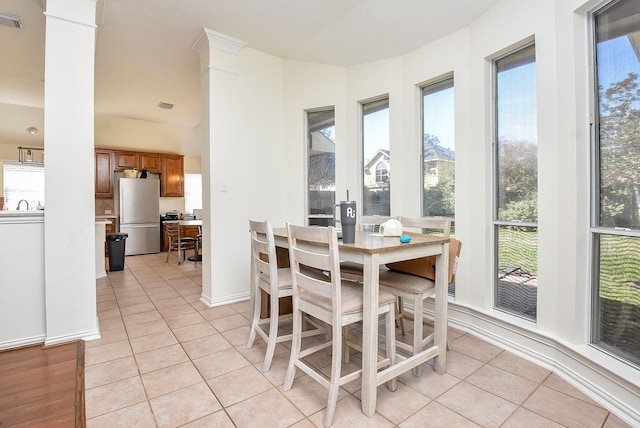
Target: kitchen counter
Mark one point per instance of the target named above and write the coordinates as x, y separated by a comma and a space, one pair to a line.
106, 216
22, 216
100, 240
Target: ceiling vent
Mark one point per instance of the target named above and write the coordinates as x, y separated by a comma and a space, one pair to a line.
166, 106
12, 21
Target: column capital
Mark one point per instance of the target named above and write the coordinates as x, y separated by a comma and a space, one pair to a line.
212, 39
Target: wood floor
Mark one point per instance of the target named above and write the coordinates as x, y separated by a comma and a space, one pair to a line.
42, 387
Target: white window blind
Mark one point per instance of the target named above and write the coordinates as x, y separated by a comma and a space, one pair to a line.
192, 191
23, 182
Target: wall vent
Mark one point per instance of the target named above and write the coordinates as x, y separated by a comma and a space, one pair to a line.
167, 106
10, 20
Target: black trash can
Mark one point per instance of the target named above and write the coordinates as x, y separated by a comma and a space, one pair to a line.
115, 248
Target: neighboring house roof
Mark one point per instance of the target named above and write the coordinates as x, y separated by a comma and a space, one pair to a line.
434, 151
377, 157
321, 144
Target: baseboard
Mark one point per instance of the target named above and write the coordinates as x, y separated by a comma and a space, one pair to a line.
224, 301
85, 335
19, 343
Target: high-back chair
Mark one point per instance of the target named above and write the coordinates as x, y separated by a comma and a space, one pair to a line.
411, 280
197, 214
331, 300
270, 282
177, 242
351, 270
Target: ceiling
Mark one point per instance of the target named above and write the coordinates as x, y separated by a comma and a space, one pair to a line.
144, 50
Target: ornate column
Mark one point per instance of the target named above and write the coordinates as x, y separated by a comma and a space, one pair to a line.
217, 53
69, 235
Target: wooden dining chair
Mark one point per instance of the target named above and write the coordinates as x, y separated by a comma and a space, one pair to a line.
196, 253
352, 270
334, 301
270, 282
406, 280
183, 243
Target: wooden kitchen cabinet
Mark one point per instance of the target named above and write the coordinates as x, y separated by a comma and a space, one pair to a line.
103, 174
126, 160
172, 176
169, 166
151, 162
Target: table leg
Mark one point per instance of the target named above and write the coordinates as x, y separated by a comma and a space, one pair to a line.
370, 333
440, 319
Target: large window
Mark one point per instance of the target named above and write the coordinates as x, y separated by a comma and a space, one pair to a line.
376, 170
516, 184
438, 152
192, 191
23, 182
438, 149
321, 166
616, 220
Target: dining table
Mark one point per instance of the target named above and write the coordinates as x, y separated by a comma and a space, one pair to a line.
371, 253
182, 223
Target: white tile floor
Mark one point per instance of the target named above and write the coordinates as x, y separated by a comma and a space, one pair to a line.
167, 360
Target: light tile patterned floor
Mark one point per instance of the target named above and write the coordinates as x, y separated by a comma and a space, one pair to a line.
167, 360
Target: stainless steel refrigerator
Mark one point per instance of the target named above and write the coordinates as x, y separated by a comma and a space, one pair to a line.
138, 205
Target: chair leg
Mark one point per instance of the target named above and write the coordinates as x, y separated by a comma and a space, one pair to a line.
168, 252
418, 304
400, 317
296, 342
334, 384
273, 334
390, 342
257, 300
345, 347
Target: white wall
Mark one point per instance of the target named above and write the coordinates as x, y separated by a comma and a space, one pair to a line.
243, 162
309, 86
130, 134
22, 291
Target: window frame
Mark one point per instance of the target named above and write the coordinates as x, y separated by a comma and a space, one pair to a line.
330, 218
32, 200
186, 193
596, 230
440, 80
362, 104
496, 222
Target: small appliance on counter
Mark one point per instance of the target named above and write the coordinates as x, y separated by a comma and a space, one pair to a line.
172, 215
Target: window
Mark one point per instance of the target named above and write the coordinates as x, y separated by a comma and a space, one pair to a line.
382, 173
321, 166
616, 178
23, 182
438, 152
375, 149
192, 191
516, 184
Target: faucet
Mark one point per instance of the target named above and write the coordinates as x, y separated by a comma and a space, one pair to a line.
25, 201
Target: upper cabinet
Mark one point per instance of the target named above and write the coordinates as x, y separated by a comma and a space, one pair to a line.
170, 167
126, 160
152, 162
172, 176
104, 174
